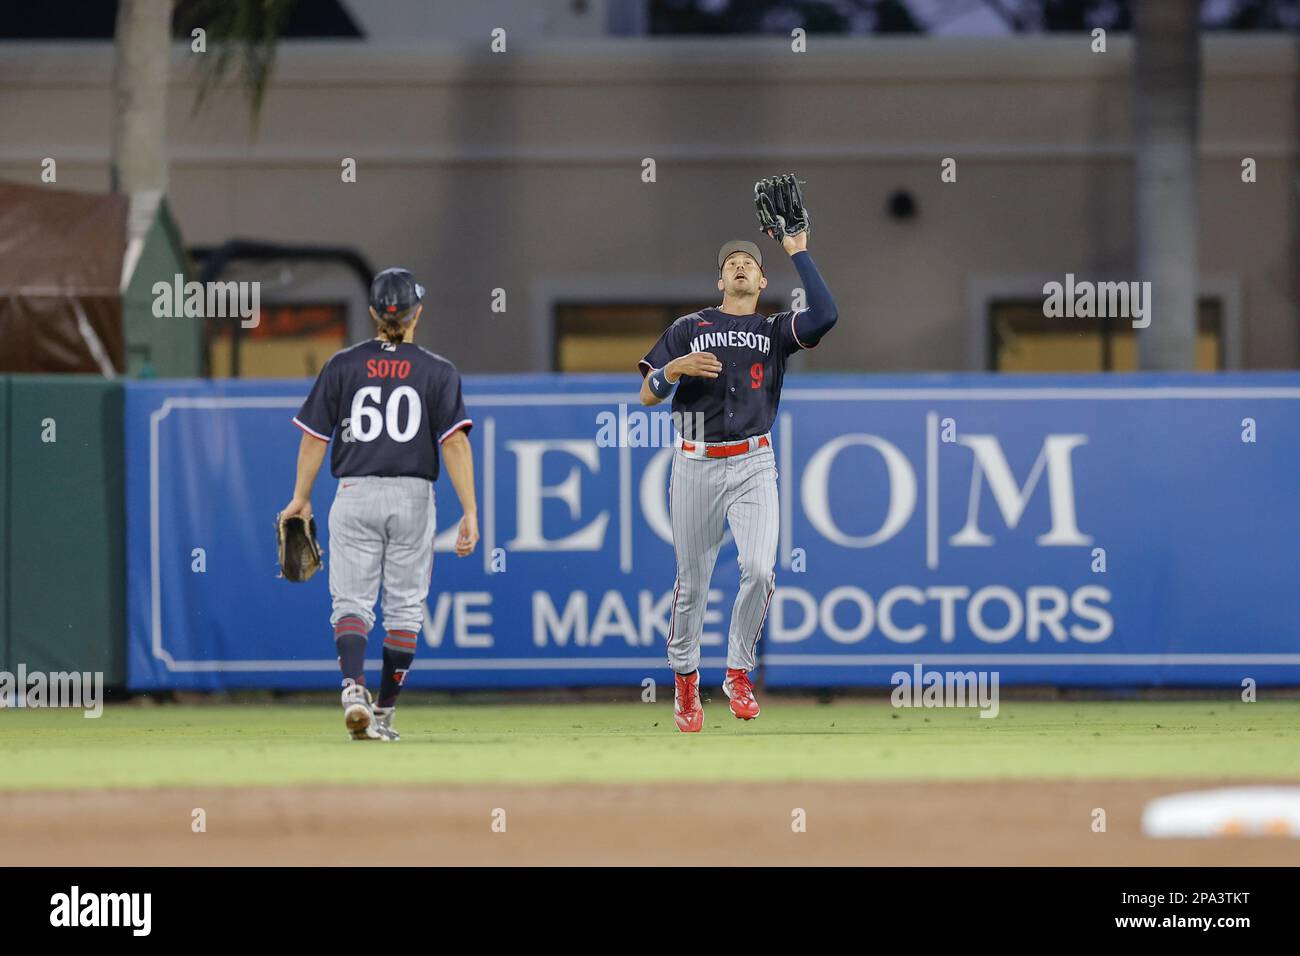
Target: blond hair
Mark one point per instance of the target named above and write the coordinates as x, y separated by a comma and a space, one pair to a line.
392, 328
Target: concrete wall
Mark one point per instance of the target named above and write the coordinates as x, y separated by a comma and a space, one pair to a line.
431, 20
522, 171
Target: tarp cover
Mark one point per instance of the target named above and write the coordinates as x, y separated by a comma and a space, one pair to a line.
60, 270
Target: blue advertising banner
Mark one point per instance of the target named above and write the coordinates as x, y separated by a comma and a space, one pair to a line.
1082, 530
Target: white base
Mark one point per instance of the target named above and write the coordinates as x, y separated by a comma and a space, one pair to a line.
1235, 811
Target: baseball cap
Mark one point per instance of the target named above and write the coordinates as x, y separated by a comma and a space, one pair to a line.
395, 292
739, 245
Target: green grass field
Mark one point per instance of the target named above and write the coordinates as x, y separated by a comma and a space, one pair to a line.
262, 744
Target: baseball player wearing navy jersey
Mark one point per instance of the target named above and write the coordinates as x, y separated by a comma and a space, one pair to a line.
726, 364
388, 407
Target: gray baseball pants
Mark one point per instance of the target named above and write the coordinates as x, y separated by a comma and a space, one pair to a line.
381, 533
705, 496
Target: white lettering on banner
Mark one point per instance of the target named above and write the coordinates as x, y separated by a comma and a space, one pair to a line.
1011, 501
575, 626
975, 614
466, 618
989, 462
555, 628
779, 630
906, 614
1099, 616
460, 608
866, 615
994, 614
654, 497
947, 595
848, 615
1038, 616
613, 620
815, 490
530, 491
885, 614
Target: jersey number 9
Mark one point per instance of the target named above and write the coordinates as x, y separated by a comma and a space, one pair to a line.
367, 423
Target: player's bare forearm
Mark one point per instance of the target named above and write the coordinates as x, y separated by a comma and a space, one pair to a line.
458, 458
311, 454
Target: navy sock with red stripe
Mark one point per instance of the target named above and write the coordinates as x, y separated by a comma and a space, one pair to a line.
350, 639
399, 652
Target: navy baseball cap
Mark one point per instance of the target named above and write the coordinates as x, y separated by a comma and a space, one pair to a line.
395, 292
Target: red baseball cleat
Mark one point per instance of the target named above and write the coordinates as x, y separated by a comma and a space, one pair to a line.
686, 704
741, 692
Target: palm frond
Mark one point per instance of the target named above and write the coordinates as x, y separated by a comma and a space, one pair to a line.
240, 33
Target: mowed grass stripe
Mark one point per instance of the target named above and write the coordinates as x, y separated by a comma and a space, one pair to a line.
269, 745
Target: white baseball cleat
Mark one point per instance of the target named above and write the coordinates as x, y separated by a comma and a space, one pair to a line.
383, 724
358, 712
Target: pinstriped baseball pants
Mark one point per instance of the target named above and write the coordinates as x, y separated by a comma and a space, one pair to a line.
706, 495
381, 533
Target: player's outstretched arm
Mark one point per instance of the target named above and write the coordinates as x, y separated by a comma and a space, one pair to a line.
458, 457
822, 313
311, 453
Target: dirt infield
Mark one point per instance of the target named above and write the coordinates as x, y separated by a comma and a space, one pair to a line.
889, 824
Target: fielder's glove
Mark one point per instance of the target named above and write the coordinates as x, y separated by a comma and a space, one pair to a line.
299, 552
780, 207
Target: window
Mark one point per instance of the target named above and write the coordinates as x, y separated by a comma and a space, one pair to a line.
1022, 339
289, 341
612, 337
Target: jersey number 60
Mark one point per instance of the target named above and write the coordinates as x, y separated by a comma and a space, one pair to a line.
367, 423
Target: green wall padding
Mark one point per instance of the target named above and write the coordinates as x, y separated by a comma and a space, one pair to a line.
64, 563
169, 347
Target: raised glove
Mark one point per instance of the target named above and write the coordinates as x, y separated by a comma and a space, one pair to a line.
780, 207
299, 552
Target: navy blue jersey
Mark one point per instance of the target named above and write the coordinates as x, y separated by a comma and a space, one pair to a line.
742, 400
388, 408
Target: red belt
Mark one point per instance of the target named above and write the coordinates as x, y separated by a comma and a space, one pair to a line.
725, 451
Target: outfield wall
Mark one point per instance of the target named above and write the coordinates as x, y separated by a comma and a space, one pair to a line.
1083, 530
62, 536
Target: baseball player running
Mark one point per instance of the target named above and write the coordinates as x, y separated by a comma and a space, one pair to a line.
726, 364
388, 405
